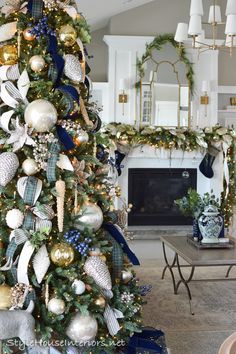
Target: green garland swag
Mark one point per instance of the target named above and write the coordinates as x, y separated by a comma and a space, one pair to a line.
158, 43
183, 139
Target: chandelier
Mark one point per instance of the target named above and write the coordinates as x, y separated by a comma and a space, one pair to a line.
195, 27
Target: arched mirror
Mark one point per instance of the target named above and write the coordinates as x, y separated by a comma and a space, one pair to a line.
165, 84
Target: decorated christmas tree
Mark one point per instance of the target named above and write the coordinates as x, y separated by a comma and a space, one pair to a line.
65, 266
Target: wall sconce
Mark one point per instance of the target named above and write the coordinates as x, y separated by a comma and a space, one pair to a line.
123, 97
204, 100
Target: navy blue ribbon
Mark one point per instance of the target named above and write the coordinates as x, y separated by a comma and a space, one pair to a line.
71, 91
141, 342
58, 60
117, 235
65, 138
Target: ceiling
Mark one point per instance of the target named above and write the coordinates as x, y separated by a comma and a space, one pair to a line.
99, 12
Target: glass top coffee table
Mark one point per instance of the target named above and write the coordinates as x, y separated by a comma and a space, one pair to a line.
195, 258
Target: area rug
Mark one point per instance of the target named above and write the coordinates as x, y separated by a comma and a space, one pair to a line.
214, 304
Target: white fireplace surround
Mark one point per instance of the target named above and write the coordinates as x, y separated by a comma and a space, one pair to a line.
148, 157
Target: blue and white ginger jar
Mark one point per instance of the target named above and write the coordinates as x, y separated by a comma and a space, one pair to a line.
210, 224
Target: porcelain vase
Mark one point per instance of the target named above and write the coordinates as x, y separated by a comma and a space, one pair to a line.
210, 224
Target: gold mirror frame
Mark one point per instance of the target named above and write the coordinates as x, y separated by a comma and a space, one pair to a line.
157, 44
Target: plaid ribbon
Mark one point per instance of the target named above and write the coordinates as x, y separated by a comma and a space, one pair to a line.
30, 190
11, 249
13, 273
117, 257
30, 296
37, 9
28, 221
53, 73
67, 100
52, 161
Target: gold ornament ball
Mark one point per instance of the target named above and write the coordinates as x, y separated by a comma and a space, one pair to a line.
62, 254
28, 36
5, 296
37, 63
68, 35
8, 55
103, 258
100, 301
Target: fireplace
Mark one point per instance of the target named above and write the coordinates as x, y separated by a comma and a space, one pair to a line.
152, 192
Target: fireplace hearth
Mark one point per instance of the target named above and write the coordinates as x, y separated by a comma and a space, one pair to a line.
152, 192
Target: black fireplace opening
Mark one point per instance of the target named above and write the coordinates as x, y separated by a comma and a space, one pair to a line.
152, 192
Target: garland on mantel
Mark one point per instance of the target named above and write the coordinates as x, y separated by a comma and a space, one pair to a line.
184, 139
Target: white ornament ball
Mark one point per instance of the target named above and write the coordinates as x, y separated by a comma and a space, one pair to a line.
83, 328
56, 306
78, 287
30, 167
41, 115
14, 218
37, 63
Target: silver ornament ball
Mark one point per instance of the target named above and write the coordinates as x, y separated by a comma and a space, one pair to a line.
30, 167
56, 306
83, 328
78, 287
41, 115
37, 63
14, 218
91, 217
126, 276
81, 138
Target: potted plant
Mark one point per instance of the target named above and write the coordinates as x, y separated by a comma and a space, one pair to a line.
193, 205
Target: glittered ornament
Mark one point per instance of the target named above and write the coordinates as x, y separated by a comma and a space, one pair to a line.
30, 167
126, 276
82, 328
62, 254
67, 35
91, 216
78, 286
37, 63
41, 115
56, 306
18, 294
9, 164
28, 35
81, 138
72, 68
14, 218
8, 55
100, 301
98, 270
5, 296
